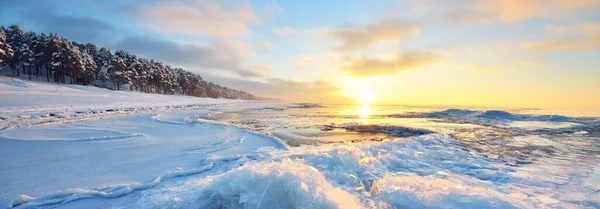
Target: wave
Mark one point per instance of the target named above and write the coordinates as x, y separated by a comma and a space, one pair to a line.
430, 171
305, 105
495, 117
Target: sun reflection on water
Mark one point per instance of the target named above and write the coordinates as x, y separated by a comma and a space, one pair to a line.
364, 111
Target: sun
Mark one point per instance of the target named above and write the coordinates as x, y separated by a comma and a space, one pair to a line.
364, 110
366, 95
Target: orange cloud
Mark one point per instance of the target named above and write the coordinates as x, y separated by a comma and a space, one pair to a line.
589, 28
196, 17
581, 36
564, 44
518, 10
304, 62
509, 11
259, 69
365, 67
363, 37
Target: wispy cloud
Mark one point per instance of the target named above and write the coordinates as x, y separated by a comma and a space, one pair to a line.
507, 11
577, 37
194, 17
215, 56
389, 65
285, 31
363, 37
302, 63
266, 45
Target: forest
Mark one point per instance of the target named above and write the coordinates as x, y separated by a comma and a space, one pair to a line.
62, 61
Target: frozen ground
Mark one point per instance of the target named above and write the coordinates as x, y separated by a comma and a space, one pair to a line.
94, 148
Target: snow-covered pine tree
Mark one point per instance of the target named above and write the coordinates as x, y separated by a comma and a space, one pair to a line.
39, 46
119, 72
6, 51
103, 60
15, 38
85, 63
89, 65
26, 54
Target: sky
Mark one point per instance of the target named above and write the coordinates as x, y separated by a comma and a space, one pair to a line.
501, 53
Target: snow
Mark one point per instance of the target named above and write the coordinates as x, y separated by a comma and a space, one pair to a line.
66, 146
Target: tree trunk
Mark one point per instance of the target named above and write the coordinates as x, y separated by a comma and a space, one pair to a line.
29, 70
48, 74
73, 76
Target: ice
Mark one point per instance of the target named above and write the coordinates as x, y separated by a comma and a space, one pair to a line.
536, 125
425, 192
394, 131
285, 184
133, 150
305, 105
50, 157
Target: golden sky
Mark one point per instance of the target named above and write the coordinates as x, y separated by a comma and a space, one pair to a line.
501, 53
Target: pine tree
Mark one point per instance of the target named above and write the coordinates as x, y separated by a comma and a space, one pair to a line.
89, 65
103, 59
6, 51
85, 64
26, 54
42, 58
119, 69
15, 38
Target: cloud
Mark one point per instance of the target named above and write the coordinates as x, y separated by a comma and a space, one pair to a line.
303, 63
564, 44
508, 11
195, 17
556, 29
270, 10
517, 10
363, 37
483, 68
299, 91
365, 67
285, 31
266, 45
589, 28
216, 56
42, 16
260, 69
577, 37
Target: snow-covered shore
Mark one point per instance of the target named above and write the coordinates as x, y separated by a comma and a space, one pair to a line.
56, 138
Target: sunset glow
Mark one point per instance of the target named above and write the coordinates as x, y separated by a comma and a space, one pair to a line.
299, 104
498, 53
364, 110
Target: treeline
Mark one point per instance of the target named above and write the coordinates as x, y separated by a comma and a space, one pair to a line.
64, 61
